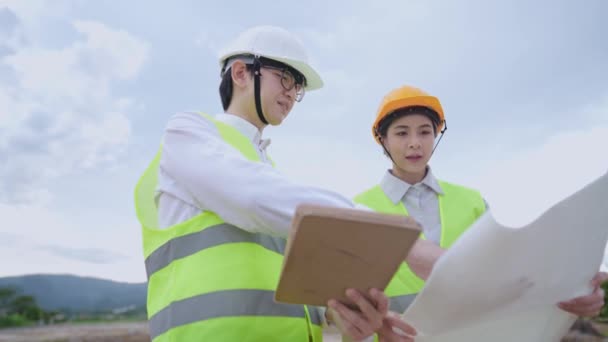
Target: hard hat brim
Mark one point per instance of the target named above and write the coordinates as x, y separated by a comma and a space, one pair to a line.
313, 79
428, 101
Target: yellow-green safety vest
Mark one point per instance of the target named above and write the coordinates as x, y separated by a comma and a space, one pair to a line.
211, 281
459, 207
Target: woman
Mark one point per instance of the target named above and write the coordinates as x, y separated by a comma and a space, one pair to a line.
407, 125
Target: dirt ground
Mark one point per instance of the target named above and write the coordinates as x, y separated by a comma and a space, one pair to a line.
138, 332
95, 332
100, 332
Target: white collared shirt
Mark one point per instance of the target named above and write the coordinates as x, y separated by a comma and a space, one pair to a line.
419, 199
199, 171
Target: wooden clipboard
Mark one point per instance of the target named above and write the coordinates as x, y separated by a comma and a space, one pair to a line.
332, 249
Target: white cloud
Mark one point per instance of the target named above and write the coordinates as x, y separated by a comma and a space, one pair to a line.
80, 72
13, 111
520, 187
598, 111
61, 113
336, 165
117, 53
209, 40
89, 255
103, 147
50, 241
32, 11
544, 175
8, 239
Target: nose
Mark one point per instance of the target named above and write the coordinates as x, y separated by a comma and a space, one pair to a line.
413, 143
291, 94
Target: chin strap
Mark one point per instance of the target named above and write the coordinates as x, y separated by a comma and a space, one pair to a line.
258, 101
445, 128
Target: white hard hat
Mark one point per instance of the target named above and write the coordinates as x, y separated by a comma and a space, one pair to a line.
277, 44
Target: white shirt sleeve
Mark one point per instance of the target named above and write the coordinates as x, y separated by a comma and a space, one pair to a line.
250, 195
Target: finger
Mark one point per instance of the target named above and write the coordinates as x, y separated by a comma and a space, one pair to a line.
596, 296
393, 337
372, 316
381, 301
599, 279
602, 295
583, 310
395, 321
337, 317
387, 334
593, 309
352, 321
590, 312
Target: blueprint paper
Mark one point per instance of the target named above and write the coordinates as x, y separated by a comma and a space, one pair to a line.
499, 283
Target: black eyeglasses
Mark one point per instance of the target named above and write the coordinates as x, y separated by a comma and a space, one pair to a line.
288, 81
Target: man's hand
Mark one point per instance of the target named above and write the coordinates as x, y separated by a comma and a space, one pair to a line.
395, 329
589, 305
358, 325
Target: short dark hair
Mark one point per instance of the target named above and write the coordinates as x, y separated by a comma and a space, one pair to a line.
226, 86
385, 123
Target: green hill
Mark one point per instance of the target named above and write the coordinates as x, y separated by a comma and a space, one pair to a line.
77, 294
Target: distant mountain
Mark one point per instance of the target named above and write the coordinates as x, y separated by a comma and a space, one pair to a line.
77, 294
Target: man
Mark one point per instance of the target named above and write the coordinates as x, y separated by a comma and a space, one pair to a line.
215, 213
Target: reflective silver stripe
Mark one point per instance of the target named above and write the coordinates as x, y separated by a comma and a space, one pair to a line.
229, 303
186, 245
400, 303
316, 315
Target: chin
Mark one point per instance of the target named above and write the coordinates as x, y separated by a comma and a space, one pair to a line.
276, 121
278, 118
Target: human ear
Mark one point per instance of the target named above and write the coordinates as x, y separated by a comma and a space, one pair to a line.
240, 74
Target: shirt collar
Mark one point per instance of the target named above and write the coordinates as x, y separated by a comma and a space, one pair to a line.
245, 127
395, 188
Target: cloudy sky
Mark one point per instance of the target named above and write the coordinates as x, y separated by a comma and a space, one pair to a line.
86, 88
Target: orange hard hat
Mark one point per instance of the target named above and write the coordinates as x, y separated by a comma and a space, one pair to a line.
404, 97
